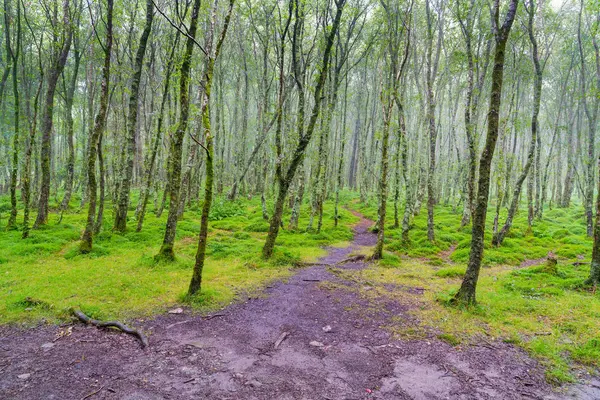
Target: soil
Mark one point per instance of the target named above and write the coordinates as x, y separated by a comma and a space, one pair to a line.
302, 340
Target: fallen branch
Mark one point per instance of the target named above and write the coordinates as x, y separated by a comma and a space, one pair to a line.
93, 393
281, 339
578, 263
312, 264
111, 324
356, 258
212, 316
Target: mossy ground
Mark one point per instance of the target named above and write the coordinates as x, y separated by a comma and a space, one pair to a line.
544, 310
121, 279
560, 231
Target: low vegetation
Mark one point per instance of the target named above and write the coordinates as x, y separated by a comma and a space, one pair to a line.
120, 279
522, 299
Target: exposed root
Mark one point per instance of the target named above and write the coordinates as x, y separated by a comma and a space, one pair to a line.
111, 324
356, 258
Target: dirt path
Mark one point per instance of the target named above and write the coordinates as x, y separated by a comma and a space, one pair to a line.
334, 348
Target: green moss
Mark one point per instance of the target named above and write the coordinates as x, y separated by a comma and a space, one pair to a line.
451, 272
588, 353
450, 339
121, 278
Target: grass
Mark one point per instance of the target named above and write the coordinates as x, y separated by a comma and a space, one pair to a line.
546, 314
120, 279
541, 308
561, 231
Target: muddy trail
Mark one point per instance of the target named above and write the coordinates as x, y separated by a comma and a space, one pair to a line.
304, 339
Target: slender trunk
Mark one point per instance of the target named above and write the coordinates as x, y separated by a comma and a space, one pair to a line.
28, 152
594, 278
69, 116
13, 50
304, 137
56, 68
123, 198
466, 293
157, 140
196, 282
102, 187
175, 152
99, 126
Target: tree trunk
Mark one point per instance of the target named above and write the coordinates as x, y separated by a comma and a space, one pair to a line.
13, 50
157, 140
99, 126
123, 199
304, 137
57, 66
196, 282
175, 152
466, 293
594, 278
70, 92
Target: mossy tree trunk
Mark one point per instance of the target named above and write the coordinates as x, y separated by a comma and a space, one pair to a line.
57, 64
537, 93
175, 152
13, 50
69, 97
120, 223
196, 281
303, 136
99, 126
466, 293
28, 152
592, 118
157, 139
594, 278
431, 75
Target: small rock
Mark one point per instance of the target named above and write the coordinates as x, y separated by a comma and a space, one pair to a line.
193, 358
327, 328
24, 376
316, 344
195, 343
188, 371
47, 346
239, 376
176, 311
254, 383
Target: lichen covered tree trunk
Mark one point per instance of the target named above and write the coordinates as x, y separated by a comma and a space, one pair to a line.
196, 282
175, 152
304, 137
466, 293
123, 200
99, 125
57, 66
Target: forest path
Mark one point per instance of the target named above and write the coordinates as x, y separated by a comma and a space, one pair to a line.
334, 347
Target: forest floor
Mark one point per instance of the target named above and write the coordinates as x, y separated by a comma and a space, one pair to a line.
322, 334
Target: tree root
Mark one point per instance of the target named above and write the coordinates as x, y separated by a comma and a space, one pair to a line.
356, 258
111, 324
